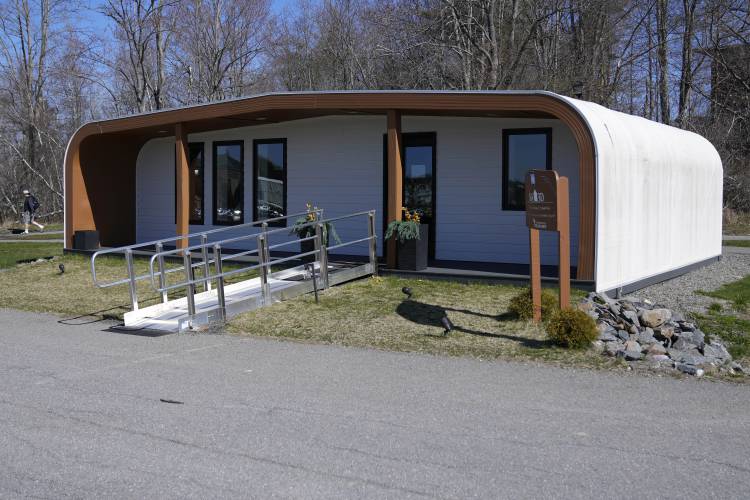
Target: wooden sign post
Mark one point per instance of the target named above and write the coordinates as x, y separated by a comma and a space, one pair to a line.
547, 209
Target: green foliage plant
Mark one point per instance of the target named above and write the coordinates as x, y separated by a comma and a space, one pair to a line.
571, 328
405, 229
304, 227
522, 307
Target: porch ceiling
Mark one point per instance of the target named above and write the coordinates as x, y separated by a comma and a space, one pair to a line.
143, 132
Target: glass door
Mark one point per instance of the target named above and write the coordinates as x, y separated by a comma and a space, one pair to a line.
419, 179
419, 157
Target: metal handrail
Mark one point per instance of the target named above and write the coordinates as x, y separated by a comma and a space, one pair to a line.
264, 265
177, 251
207, 278
226, 274
128, 250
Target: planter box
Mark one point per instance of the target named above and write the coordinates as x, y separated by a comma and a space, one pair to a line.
86, 240
412, 254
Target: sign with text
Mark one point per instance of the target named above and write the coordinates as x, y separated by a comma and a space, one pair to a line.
547, 209
541, 199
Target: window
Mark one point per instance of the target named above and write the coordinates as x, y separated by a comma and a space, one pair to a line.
523, 150
195, 183
269, 169
228, 183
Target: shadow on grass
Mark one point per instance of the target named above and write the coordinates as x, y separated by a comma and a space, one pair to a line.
431, 315
94, 316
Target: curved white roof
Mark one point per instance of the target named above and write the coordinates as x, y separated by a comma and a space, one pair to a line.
659, 196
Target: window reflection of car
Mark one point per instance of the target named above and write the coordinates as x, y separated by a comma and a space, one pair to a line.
270, 210
229, 213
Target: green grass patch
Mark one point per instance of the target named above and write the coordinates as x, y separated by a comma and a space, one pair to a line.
736, 243
40, 287
734, 330
33, 235
737, 292
373, 312
12, 253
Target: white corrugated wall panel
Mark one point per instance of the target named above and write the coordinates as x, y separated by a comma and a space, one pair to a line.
659, 197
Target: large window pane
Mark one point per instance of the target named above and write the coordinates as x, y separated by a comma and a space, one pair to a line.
196, 183
418, 180
270, 179
523, 150
228, 181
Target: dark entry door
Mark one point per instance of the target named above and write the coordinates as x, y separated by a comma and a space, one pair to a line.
419, 178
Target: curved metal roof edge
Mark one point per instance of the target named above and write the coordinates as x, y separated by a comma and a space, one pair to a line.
326, 92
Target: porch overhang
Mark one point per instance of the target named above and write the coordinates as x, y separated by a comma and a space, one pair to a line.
103, 199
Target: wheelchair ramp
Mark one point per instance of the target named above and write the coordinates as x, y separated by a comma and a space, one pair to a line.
218, 301
174, 316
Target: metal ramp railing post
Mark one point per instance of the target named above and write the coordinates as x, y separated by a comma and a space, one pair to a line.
206, 271
263, 259
131, 279
162, 273
373, 242
220, 282
190, 282
320, 246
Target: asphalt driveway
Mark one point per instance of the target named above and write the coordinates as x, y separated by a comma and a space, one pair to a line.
81, 416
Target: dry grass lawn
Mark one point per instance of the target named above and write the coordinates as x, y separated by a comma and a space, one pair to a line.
373, 312
740, 225
40, 287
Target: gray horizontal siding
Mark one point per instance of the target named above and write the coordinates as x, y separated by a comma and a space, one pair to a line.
337, 163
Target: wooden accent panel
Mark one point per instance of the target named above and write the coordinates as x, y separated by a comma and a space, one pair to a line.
100, 188
182, 190
563, 235
535, 274
395, 180
298, 105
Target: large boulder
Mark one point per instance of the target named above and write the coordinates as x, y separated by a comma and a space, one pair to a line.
654, 318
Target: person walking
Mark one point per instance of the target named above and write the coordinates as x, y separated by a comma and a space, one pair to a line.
30, 206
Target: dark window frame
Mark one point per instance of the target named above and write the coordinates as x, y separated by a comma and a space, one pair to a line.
414, 139
203, 182
256, 143
214, 146
547, 131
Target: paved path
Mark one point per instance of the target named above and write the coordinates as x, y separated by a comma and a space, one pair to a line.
80, 416
733, 237
8, 240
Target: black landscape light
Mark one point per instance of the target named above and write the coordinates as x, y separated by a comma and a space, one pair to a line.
446, 324
61, 267
406, 291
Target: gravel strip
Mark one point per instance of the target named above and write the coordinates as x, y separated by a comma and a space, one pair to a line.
679, 293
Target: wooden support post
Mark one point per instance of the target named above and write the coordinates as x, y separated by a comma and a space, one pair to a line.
563, 228
536, 274
395, 180
182, 184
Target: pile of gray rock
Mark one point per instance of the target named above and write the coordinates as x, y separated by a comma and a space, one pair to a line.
643, 333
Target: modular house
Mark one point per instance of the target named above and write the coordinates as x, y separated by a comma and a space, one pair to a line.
645, 198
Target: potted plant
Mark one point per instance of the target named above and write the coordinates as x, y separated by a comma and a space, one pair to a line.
412, 239
304, 227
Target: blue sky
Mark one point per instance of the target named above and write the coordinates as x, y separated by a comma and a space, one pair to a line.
92, 20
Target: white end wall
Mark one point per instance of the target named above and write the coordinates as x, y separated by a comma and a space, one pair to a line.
659, 197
